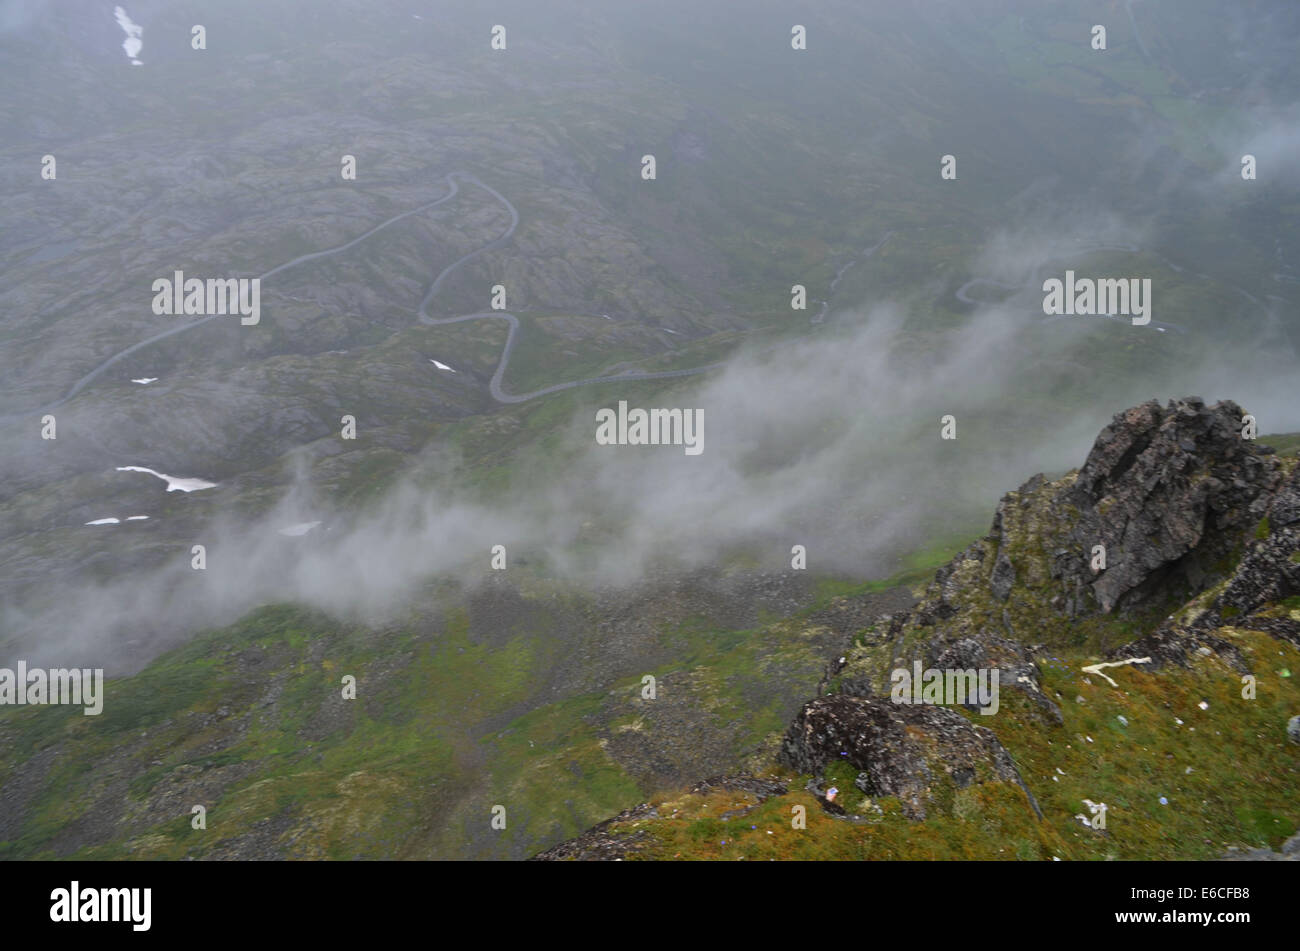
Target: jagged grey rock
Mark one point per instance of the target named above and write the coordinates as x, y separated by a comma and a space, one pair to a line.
902, 750
1167, 492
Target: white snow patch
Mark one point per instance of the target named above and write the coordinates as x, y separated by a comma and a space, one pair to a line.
174, 484
132, 44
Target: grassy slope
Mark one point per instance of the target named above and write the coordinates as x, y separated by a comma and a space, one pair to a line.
1228, 773
249, 722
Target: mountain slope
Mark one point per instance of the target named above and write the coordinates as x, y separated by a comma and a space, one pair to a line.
1181, 730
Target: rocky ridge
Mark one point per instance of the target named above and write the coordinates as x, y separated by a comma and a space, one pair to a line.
1176, 524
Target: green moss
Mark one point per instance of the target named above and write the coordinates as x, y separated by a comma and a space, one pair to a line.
1213, 798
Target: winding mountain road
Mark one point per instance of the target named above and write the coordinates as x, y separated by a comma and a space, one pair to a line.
821, 315
123, 354
495, 387
963, 292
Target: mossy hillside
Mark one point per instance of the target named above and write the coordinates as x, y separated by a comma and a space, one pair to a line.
299, 747
249, 722
241, 720
1213, 799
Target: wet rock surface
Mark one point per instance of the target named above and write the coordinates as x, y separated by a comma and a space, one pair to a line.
1266, 574
901, 750
1166, 491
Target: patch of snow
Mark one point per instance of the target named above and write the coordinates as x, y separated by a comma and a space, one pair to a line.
174, 484
132, 44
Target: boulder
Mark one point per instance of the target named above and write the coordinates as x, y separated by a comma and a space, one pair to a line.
901, 750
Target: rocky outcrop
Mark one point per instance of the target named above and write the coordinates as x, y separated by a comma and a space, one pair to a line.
1171, 504
1266, 574
1165, 503
1269, 571
1174, 516
900, 750
1168, 493
1172, 508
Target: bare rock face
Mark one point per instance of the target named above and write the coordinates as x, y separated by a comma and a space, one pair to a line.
1164, 499
1168, 492
1169, 504
1013, 661
902, 750
1284, 512
1267, 573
